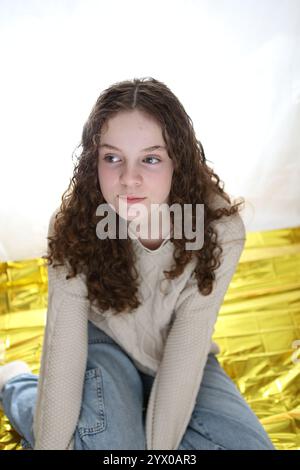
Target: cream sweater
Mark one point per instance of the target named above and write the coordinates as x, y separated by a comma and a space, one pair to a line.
168, 337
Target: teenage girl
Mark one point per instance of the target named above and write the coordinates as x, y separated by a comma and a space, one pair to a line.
128, 360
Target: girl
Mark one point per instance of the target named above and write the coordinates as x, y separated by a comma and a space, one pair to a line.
128, 360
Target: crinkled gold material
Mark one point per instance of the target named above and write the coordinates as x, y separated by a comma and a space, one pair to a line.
258, 331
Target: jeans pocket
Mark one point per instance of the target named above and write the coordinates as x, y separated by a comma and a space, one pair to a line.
92, 419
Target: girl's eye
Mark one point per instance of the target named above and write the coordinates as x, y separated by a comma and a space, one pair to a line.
107, 156
151, 156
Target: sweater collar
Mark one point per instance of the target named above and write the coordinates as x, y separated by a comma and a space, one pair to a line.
165, 247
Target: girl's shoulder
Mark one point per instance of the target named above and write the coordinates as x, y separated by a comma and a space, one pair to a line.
230, 227
52, 221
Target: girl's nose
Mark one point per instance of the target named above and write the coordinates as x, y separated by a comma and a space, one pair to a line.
130, 177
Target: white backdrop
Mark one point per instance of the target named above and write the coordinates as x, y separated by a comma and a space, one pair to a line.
234, 64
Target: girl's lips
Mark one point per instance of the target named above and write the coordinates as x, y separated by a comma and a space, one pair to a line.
132, 199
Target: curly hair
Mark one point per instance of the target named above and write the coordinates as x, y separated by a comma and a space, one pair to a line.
109, 264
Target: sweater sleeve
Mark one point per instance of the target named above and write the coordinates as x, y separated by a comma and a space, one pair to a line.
59, 394
177, 381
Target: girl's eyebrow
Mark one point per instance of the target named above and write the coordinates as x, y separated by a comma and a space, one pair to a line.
148, 149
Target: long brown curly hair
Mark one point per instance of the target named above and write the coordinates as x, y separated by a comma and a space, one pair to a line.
109, 264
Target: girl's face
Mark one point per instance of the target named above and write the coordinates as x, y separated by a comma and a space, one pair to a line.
128, 166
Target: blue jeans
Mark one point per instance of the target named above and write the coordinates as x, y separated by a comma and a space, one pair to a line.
114, 403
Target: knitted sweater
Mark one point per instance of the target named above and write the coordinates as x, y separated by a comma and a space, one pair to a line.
168, 336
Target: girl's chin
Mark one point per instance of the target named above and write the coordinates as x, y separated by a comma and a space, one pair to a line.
129, 218
133, 213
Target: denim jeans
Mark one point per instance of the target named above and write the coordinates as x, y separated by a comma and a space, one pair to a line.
115, 397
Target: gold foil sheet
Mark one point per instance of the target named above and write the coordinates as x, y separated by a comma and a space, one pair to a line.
258, 330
